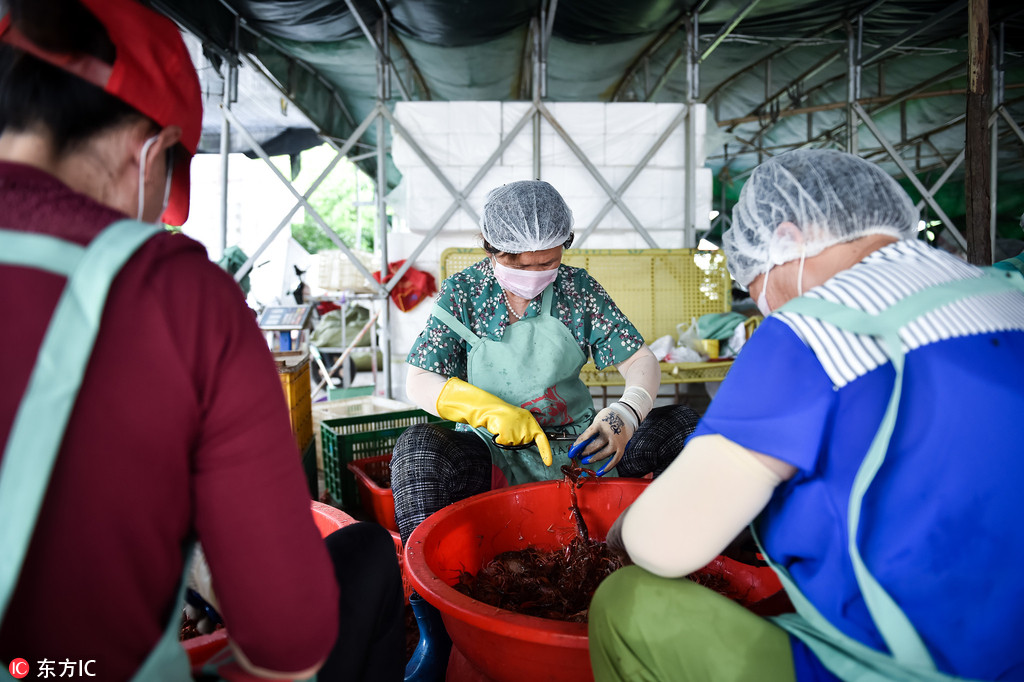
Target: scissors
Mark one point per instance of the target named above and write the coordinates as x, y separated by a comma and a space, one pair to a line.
552, 438
195, 600
573, 453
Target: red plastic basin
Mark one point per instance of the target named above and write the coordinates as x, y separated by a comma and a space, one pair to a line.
327, 519
502, 645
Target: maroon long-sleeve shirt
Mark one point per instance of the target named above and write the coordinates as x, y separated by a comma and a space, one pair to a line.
180, 430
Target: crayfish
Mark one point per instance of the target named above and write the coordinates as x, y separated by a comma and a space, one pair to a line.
556, 584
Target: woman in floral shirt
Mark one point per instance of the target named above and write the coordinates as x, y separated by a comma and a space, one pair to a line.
501, 355
475, 296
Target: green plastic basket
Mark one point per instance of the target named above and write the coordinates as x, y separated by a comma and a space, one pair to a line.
348, 439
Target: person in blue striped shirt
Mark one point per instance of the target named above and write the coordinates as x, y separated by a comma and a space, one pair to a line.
870, 431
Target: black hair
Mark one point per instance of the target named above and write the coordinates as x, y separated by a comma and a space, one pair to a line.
35, 94
498, 252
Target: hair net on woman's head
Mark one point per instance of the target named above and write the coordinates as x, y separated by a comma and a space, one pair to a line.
830, 196
526, 216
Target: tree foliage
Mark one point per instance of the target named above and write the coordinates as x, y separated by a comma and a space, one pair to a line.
336, 202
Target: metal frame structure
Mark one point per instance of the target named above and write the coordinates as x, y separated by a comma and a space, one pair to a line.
382, 116
860, 114
861, 111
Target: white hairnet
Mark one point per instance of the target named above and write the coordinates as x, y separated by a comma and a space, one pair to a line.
830, 196
529, 215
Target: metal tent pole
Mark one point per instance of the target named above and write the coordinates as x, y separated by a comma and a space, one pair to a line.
690, 161
854, 45
302, 200
383, 92
596, 174
536, 95
382, 244
225, 152
637, 168
229, 95
458, 202
909, 173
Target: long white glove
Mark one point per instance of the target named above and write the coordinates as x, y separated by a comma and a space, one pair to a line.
424, 387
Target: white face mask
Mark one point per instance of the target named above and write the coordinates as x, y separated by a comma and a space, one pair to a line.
762, 298
142, 179
523, 283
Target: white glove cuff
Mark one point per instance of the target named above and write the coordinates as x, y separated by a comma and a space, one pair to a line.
626, 413
639, 399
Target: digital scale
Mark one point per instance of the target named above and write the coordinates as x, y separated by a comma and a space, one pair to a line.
285, 319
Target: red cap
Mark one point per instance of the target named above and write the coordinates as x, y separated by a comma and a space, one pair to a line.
152, 72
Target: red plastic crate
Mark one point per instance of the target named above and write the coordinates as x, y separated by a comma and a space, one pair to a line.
376, 500
755, 587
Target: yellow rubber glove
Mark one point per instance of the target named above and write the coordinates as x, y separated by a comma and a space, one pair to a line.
460, 401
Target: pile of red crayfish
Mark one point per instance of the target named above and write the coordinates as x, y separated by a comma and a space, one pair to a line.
556, 584
559, 583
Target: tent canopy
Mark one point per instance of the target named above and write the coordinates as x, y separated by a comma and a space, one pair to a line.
775, 74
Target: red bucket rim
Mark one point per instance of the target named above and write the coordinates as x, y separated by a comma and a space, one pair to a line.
478, 614
203, 647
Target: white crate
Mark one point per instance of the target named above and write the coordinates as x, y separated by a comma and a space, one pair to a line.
351, 407
335, 272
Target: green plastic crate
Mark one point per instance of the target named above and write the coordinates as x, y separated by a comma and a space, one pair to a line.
347, 439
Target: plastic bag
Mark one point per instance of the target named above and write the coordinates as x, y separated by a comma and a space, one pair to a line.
689, 336
684, 354
662, 347
328, 330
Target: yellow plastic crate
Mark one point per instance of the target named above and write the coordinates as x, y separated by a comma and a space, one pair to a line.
657, 289
293, 371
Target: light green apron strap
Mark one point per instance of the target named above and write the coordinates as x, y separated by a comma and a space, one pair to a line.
211, 669
842, 654
545, 301
39, 426
455, 325
1013, 264
896, 629
168, 661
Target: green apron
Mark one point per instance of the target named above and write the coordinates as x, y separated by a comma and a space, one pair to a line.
847, 658
1014, 264
535, 365
38, 428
